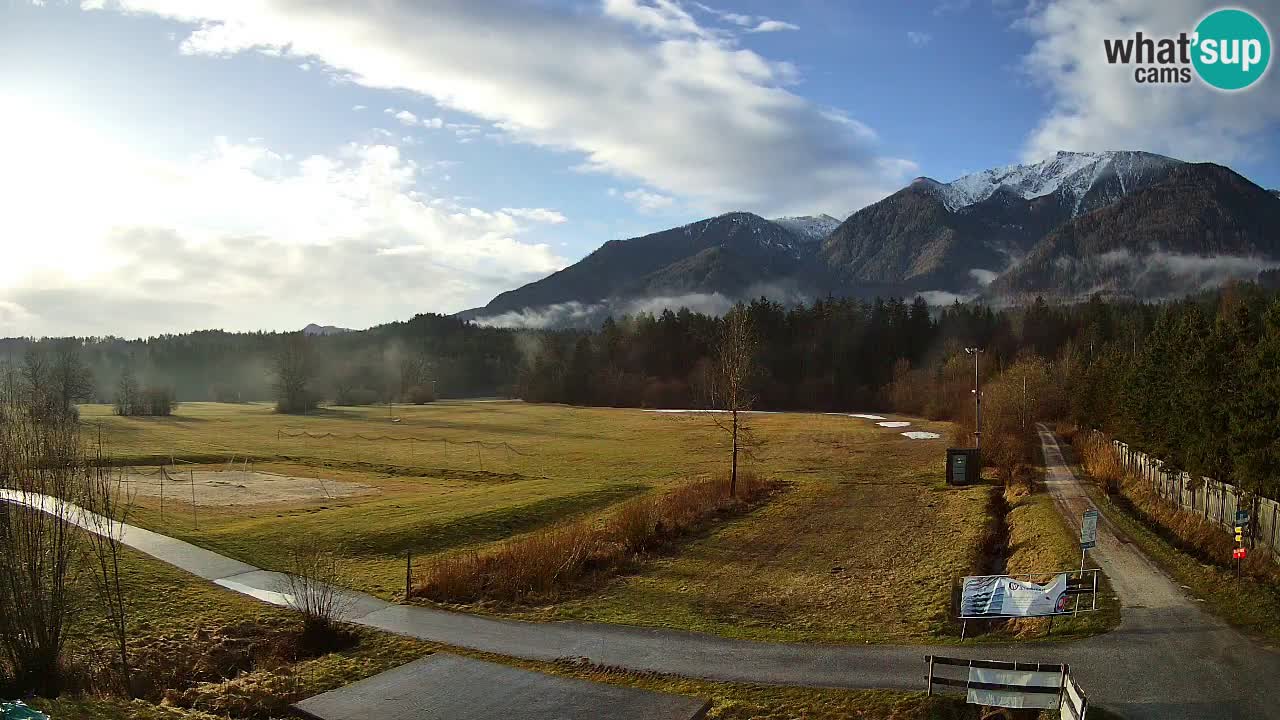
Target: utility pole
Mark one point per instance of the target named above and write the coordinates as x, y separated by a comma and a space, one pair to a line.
977, 397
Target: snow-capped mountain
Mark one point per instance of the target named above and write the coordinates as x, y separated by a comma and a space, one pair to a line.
1072, 175
1133, 224
809, 227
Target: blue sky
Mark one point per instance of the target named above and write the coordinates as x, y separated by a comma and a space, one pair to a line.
180, 164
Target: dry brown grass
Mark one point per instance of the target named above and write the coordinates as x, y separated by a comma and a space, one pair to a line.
1100, 460
543, 563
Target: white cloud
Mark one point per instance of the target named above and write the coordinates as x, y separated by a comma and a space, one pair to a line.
943, 297
751, 23
1098, 106
646, 201
404, 116
919, 39
542, 215
638, 89
773, 26
662, 17
240, 237
983, 277
358, 108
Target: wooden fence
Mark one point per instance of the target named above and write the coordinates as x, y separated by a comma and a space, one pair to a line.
1215, 501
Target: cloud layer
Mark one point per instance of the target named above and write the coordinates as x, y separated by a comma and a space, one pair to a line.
638, 89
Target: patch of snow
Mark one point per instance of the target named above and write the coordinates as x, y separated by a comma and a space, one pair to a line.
809, 227
894, 423
864, 416
921, 435
1073, 174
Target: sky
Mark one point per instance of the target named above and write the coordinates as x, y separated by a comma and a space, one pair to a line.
171, 165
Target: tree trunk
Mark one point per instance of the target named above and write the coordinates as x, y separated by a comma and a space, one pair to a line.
733, 475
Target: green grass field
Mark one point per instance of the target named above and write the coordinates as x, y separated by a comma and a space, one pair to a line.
865, 513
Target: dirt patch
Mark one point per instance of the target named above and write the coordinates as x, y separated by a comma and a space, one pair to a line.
222, 488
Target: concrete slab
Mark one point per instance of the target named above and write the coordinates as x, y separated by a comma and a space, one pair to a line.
450, 687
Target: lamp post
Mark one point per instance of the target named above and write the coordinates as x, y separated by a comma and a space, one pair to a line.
977, 397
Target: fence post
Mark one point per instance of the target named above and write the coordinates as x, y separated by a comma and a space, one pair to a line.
929, 686
408, 573
1273, 528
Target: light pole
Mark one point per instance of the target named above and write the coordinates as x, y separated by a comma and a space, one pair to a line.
977, 397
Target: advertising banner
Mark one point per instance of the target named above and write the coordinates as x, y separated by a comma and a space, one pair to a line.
992, 596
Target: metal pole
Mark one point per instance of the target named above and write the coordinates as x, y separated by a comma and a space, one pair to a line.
977, 400
408, 573
929, 686
195, 519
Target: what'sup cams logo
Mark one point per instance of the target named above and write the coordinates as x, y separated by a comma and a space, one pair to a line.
1229, 50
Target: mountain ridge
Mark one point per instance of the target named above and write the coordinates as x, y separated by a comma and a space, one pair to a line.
993, 235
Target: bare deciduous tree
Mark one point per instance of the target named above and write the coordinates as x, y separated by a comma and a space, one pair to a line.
296, 370
40, 462
127, 392
732, 373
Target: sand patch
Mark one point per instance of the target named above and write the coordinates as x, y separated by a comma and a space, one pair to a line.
222, 488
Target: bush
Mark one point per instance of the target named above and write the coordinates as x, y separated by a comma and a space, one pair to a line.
1100, 460
544, 562
420, 395
314, 582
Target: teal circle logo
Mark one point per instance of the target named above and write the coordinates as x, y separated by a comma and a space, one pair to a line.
1232, 49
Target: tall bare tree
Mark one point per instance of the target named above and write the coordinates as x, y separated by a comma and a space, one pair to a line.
127, 393
40, 462
730, 384
296, 370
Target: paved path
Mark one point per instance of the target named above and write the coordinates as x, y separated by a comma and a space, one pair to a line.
1168, 660
449, 687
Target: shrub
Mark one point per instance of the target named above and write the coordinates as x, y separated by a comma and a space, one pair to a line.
314, 584
544, 562
420, 395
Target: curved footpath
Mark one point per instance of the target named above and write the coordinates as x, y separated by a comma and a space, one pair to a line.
1168, 660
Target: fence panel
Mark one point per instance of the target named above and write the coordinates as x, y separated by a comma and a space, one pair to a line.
1215, 501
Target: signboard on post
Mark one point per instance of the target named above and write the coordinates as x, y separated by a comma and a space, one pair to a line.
1089, 530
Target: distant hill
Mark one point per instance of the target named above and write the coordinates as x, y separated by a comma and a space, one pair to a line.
314, 329
1125, 223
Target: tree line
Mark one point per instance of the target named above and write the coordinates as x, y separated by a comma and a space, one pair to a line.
406, 361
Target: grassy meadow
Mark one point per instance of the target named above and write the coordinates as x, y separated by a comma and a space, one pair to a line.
861, 545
